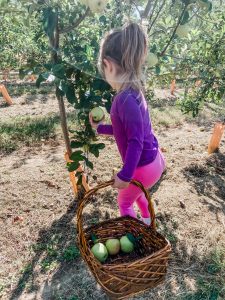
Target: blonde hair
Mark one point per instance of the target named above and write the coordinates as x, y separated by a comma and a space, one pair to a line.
127, 47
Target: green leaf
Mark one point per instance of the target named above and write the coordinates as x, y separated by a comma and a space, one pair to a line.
76, 144
185, 18
153, 49
157, 70
48, 66
94, 238
70, 94
131, 237
89, 164
99, 85
73, 166
108, 106
77, 156
100, 146
41, 78
103, 20
210, 6
59, 71
63, 86
94, 150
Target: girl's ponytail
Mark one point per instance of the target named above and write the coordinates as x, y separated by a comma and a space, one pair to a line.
133, 48
127, 47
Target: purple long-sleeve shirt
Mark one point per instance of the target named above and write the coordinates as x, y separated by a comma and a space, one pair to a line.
132, 129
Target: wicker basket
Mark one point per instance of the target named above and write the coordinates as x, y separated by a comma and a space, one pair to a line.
125, 275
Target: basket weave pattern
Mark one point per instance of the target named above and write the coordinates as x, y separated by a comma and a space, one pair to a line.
125, 275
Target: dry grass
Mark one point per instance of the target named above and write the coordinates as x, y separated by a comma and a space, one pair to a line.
39, 257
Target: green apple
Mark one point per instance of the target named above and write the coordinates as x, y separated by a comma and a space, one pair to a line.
126, 245
113, 246
97, 6
100, 252
182, 30
97, 114
152, 59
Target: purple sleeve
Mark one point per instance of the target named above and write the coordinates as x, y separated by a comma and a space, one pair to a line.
131, 118
105, 129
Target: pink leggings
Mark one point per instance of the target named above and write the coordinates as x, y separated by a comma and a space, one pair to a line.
148, 175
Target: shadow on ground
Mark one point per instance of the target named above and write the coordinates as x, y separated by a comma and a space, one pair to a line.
189, 276
208, 179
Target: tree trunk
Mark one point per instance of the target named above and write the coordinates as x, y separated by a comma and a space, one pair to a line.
55, 59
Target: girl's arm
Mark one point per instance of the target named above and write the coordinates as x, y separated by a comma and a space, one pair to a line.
105, 129
133, 123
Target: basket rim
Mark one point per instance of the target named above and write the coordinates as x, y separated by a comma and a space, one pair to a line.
128, 264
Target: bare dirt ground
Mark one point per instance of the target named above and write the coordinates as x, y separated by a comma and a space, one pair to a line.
38, 253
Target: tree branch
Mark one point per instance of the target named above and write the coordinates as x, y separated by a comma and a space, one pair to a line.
77, 23
136, 6
174, 32
156, 17
147, 9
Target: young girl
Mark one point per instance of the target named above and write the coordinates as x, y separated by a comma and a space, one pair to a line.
122, 55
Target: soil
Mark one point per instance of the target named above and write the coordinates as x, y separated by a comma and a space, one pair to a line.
38, 210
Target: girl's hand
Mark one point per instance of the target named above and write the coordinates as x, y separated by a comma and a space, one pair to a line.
119, 184
93, 124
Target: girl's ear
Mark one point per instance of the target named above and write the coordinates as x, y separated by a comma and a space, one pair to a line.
107, 65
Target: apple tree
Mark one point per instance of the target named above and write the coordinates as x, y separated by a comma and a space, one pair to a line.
74, 29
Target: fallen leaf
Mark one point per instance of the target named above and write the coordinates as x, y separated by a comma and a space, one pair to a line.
18, 219
50, 184
182, 205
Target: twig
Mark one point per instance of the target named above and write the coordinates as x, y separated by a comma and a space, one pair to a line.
201, 18
77, 23
158, 31
195, 14
174, 32
153, 10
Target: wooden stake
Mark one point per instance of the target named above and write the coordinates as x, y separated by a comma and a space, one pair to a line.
173, 87
5, 94
216, 137
73, 178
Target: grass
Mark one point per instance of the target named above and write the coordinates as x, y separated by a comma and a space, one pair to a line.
209, 279
166, 113
19, 90
54, 253
26, 131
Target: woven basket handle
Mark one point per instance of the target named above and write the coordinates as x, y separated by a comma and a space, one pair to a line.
86, 200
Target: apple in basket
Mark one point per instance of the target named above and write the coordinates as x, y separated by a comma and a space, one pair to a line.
113, 246
100, 252
126, 245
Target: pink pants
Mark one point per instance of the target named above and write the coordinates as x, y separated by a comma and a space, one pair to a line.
148, 175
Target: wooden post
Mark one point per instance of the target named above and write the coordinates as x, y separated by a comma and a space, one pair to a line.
173, 87
73, 178
216, 137
5, 94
